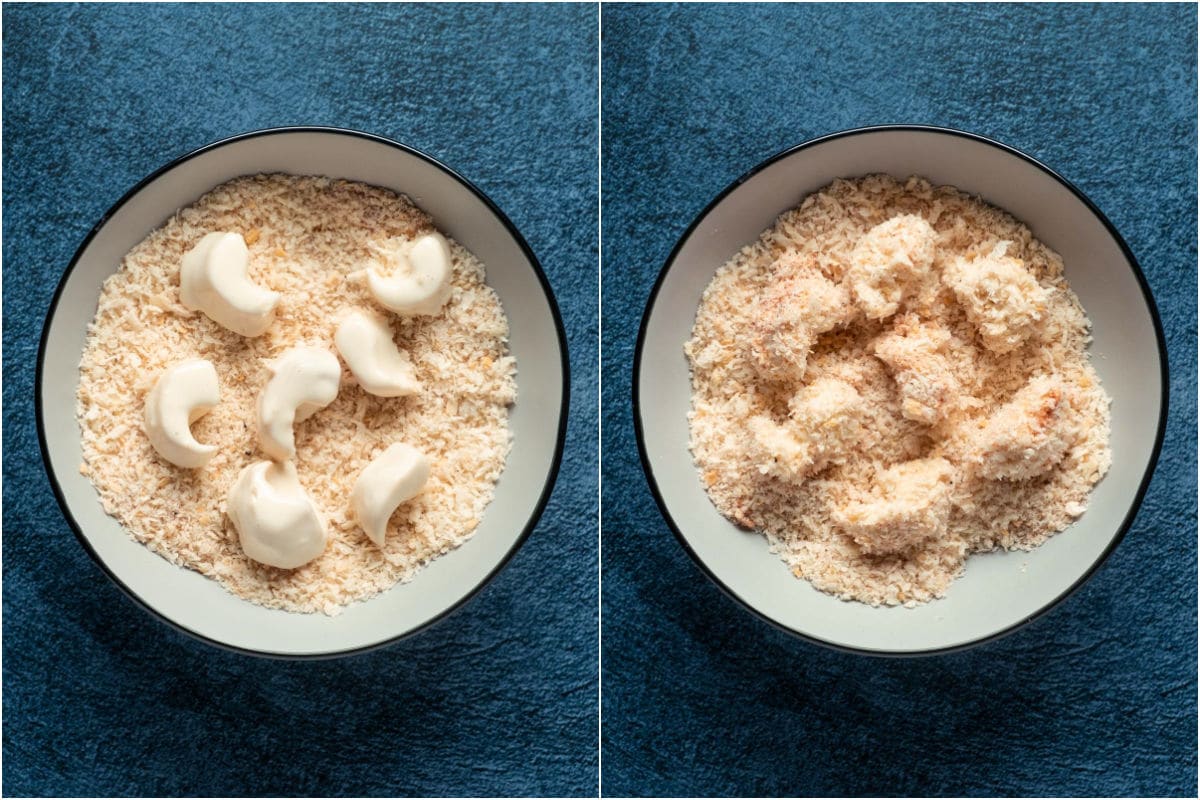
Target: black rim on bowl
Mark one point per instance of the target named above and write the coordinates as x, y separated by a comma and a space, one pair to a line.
1147, 297
560, 436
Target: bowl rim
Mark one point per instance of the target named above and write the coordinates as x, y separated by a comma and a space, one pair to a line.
1147, 297
564, 401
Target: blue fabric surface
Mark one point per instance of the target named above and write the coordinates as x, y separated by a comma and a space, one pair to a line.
1096, 697
99, 697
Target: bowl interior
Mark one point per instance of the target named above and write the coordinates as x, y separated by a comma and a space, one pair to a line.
998, 590
201, 606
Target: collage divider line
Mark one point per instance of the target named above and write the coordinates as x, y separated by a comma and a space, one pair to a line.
599, 400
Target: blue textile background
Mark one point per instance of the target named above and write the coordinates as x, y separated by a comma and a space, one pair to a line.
1096, 697
100, 698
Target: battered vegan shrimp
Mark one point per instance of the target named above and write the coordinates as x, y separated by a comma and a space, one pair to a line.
822, 422
888, 261
1029, 435
916, 353
1000, 296
906, 505
799, 306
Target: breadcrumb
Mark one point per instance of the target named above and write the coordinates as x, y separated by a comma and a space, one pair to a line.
312, 232
876, 454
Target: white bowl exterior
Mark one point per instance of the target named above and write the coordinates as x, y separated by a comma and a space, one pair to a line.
201, 605
998, 590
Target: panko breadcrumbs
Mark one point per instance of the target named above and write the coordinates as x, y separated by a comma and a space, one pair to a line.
892, 377
308, 237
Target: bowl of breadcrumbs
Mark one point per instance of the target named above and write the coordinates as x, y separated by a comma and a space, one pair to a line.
381, 434
900, 389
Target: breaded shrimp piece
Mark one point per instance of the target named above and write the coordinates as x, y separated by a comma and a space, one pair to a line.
823, 422
888, 261
799, 306
915, 353
908, 504
1029, 435
1005, 302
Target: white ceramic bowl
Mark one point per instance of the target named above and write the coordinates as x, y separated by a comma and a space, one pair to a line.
200, 606
999, 591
